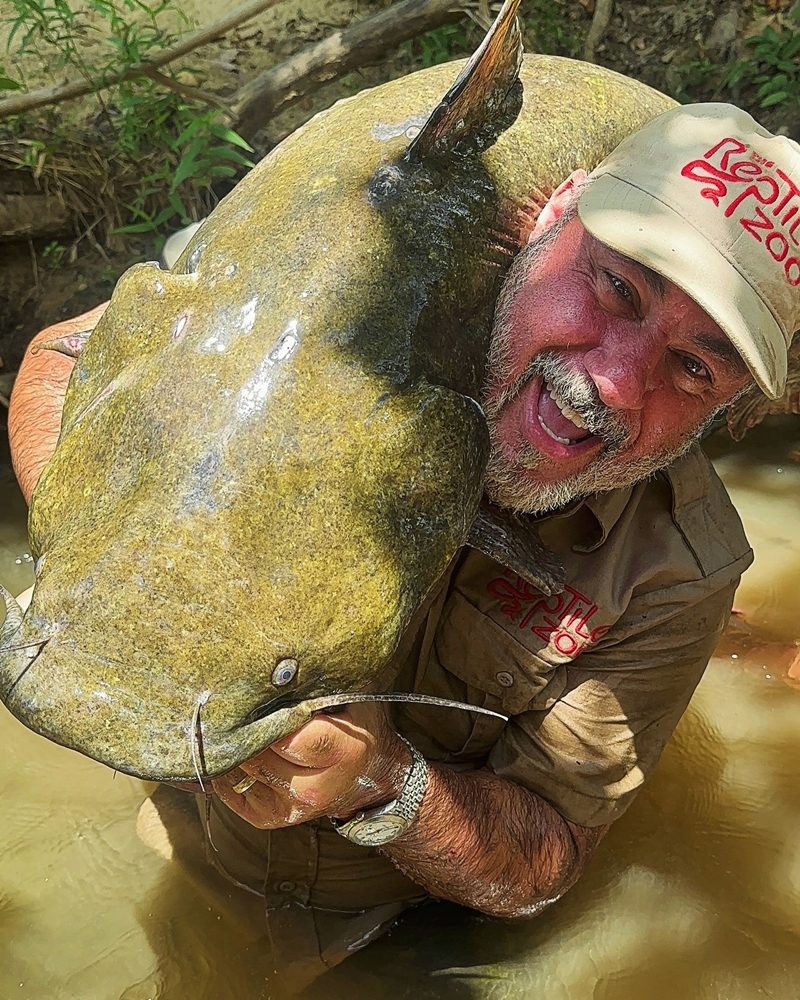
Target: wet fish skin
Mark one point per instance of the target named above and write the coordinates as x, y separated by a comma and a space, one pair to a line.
251, 460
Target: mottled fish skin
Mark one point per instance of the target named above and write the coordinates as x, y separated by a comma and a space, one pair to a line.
273, 451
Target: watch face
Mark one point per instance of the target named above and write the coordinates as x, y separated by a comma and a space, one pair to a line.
378, 830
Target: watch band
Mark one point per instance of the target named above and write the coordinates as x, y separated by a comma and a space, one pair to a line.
383, 824
410, 799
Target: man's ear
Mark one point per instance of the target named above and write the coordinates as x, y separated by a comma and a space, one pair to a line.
557, 203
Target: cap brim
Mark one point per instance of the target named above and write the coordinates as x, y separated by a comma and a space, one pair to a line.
635, 223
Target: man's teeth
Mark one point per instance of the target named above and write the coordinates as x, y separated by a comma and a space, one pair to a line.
565, 408
549, 433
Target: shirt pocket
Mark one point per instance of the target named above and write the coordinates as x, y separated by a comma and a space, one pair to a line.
476, 660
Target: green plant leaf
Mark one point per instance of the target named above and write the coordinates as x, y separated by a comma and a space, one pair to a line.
6, 83
223, 153
228, 135
189, 132
782, 95
735, 74
221, 170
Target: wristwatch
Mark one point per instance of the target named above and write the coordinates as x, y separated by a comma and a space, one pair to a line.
375, 827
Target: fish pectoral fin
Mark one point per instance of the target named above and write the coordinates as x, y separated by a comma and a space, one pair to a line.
484, 100
72, 344
514, 542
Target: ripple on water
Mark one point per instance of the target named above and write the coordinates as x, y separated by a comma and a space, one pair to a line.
693, 895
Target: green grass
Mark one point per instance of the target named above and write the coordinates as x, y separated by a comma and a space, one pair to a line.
173, 148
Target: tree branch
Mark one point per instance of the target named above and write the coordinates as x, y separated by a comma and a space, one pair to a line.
599, 26
77, 88
359, 44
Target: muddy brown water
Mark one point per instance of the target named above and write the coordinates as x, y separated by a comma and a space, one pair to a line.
694, 894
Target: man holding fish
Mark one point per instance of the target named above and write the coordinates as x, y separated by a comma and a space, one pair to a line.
648, 296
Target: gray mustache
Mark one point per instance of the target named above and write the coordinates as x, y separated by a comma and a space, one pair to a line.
579, 392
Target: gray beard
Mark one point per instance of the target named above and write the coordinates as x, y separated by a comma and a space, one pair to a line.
508, 482
505, 485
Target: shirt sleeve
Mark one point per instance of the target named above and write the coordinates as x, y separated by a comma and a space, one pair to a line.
592, 749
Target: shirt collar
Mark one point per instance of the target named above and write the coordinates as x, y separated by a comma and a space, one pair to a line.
607, 509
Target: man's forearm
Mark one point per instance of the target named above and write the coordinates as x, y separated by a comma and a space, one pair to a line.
485, 842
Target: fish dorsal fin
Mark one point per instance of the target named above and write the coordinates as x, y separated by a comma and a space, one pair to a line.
484, 100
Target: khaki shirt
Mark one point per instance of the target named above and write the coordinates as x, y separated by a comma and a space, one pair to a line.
594, 679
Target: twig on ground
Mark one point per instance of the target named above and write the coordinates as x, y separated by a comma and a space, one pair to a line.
181, 88
34, 263
600, 22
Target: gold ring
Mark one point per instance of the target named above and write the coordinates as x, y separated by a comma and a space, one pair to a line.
245, 784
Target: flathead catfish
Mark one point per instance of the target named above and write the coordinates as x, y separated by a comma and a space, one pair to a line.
270, 454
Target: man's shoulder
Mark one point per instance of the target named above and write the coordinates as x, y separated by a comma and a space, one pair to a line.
680, 522
704, 514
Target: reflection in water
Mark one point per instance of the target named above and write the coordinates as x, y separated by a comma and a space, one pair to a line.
16, 566
694, 895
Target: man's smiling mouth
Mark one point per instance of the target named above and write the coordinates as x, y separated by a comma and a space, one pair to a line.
558, 419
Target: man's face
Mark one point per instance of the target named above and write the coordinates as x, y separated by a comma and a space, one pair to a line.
601, 372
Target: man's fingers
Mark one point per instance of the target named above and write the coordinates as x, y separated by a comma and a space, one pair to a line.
329, 739
329, 767
322, 742
261, 805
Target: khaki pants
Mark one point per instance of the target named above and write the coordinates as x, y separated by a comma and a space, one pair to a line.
310, 897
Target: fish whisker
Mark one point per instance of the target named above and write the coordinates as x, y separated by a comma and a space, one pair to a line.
196, 739
27, 645
330, 701
7, 694
207, 820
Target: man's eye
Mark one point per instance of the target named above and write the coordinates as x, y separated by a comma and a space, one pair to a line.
695, 368
621, 287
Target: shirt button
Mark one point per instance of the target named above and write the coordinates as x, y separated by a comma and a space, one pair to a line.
505, 679
287, 886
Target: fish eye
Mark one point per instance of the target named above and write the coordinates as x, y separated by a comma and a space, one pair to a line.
284, 672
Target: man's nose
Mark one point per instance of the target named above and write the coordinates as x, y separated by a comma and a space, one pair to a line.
623, 368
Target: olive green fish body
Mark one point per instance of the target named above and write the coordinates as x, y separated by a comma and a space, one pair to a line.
271, 453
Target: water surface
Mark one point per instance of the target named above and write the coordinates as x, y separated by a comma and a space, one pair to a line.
694, 894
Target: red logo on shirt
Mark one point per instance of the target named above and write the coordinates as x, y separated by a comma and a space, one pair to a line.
563, 621
753, 182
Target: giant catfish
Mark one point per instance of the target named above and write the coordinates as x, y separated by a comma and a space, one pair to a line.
269, 454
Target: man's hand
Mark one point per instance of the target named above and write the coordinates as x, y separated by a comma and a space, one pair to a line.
335, 765
34, 417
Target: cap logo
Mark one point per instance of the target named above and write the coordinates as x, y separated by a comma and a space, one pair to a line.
731, 164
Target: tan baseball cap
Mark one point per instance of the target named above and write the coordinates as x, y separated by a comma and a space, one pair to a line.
710, 200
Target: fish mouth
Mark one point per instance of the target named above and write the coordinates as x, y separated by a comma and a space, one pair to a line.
147, 730
139, 722
57, 694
